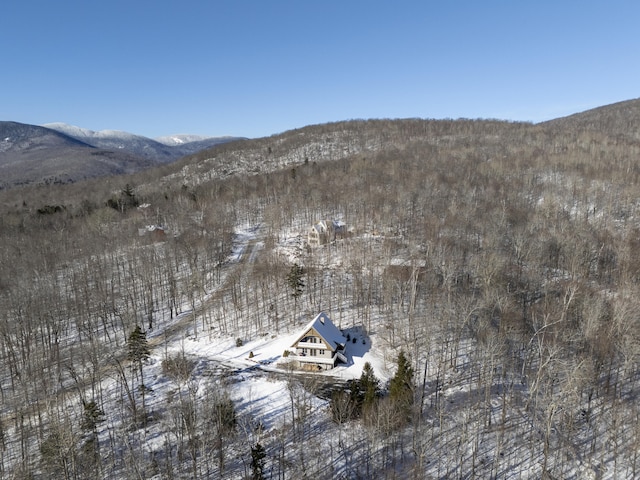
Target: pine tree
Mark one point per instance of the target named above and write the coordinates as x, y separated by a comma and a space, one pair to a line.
138, 346
295, 281
401, 386
257, 462
125, 201
359, 399
128, 197
369, 387
138, 352
93, 415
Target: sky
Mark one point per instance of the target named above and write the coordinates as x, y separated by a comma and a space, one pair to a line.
255, 68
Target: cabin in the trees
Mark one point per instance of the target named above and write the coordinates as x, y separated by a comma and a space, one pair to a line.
323, 232
320, 345
156, 233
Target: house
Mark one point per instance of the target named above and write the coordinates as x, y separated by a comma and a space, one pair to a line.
323, 232
319, 346
156, 233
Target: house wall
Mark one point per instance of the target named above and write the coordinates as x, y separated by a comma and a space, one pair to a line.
316, 238
311, 344
321, 233
313, 352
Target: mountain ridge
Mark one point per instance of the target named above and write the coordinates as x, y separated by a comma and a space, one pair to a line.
159, 150
618, 119
62, 153
15, 136
42, 158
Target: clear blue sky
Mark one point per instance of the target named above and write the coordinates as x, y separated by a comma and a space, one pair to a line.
258, 67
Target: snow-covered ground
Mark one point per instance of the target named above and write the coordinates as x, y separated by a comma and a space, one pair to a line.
257, 367
462, 429
253, 373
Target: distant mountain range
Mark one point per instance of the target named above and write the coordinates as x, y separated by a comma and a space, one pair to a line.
167, 148
61, 153
57, 153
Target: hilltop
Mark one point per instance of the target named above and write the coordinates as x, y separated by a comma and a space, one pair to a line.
616, 120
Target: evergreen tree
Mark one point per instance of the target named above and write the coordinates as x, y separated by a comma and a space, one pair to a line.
125, 201
295, 281
138, 352
93, 415
361, 396
401, 386
257, 462
138, 346
128, 197
369, 387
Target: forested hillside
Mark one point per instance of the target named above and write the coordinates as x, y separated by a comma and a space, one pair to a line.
491, 266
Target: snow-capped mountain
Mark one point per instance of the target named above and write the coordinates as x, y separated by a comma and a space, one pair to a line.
61, 153
15, 137
30, 154
118, 140
161, 150
175, 140
79, 132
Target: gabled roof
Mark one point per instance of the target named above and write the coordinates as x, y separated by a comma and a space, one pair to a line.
324, 226
320, 227
330, 334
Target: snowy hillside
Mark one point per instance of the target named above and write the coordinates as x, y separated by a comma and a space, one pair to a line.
89, 135
483, 275
161, 150
181, 139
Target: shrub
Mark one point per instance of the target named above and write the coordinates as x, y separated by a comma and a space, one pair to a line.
224, 414
178, 367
